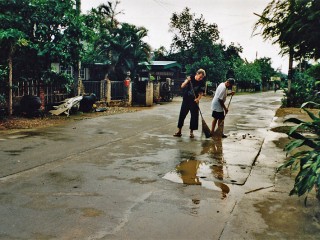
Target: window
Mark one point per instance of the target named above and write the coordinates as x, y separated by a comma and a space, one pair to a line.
67, 70
83, 74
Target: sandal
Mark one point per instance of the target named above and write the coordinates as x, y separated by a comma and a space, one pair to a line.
177, 134
191, 135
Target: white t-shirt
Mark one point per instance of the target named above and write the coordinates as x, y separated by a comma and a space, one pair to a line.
221, 93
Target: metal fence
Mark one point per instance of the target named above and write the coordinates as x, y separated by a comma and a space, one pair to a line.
97, 87
117, 90
53, 93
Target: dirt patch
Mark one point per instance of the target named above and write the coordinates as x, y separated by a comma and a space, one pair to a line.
15, 123
282, 112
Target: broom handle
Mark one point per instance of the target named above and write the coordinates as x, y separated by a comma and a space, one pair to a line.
229, 102
228, 109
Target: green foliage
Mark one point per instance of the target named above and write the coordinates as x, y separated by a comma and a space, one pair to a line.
294, 25
3, 73
119, 45
193, 37
303, 89
57, 32
160, 54
264, 65
3, 78
194, 47
215, 70
314, 71
248, 72
304, 152
63, 79
3, 101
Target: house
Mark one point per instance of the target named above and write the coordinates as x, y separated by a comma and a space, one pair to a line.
160, 70
84, 71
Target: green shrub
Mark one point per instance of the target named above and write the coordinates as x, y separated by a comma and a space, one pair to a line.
304, 152
63, 79
303, 89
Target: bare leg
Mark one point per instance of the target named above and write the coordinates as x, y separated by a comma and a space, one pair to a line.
191, 134
220, 127
178, 133
214, 123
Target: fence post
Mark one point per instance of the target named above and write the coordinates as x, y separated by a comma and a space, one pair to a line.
149, 94
102, 90
81, 89
108, 92
42, 95
156, 91
129, 89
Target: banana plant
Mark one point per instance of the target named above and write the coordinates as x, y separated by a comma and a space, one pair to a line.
303, 153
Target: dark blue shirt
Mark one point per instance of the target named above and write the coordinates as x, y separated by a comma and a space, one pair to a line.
198, 87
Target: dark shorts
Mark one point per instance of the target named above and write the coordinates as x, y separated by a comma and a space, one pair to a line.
218, 115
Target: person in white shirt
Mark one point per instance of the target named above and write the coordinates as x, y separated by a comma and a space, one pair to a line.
219, 110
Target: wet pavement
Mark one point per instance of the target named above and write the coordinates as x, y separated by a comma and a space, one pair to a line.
126, 177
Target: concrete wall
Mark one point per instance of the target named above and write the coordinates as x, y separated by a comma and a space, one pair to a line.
156, 91
149, 93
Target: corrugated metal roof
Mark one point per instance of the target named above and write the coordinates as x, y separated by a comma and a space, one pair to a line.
163, 64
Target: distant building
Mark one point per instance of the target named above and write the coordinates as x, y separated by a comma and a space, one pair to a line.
160, 70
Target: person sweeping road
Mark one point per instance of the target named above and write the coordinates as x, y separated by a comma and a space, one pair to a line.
193, 89
218, 107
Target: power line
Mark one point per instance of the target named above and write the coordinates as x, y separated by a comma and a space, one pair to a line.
161, 4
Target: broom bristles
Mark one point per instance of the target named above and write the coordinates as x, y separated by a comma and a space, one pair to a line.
206, 129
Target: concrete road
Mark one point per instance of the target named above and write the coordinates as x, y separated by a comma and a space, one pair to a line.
126, 177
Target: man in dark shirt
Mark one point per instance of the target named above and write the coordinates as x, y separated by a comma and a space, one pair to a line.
193, 89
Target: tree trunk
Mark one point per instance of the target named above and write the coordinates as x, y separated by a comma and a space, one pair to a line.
290, 73
10, 62
77, 66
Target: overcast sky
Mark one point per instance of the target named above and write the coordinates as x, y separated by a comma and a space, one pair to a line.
235, 20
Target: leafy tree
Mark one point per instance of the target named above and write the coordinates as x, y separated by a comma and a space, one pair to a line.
266, 69
232, 58
247, 75
193, 37
294, 26
128, 49
56, 32
314, 71
304, 88
119, 45
160, 54
13, 34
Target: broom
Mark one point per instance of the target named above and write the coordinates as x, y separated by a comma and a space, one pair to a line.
220, 127
205, 129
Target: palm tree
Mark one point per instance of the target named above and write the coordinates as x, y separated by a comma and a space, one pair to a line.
120, 45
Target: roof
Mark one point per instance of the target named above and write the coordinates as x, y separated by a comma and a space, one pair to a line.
162, 64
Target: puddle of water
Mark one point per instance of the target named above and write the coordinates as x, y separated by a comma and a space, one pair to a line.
195, 172
55, 136
13, 152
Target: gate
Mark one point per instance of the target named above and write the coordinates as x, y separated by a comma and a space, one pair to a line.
97, 87
117, 90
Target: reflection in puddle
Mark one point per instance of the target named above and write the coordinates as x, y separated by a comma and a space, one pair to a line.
194, 172
209, 174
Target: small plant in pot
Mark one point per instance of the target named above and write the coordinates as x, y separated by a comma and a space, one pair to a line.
304, 153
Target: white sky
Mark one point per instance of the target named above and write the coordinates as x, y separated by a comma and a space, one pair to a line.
235, 20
